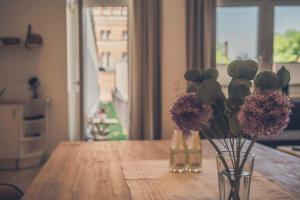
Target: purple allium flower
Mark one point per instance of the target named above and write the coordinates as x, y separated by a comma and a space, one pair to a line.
264, 114
190, 114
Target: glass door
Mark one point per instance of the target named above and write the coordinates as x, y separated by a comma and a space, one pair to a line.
105, 69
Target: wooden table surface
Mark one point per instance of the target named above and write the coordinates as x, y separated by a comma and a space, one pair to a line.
92, 170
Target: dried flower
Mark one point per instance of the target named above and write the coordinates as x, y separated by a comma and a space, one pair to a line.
190, 114
264, 114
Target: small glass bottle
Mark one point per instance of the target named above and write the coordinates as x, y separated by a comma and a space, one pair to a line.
194, 152
177, 153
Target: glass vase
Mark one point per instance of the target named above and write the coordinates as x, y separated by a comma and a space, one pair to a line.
177, 153
194, 152
234, 179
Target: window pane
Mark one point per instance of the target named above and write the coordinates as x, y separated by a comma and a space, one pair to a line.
287, 34
286, 49
236, 33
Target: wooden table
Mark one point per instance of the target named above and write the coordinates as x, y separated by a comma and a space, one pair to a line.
289, 150
92, 170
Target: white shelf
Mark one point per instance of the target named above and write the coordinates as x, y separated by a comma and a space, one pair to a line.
33, 121
26, 139
38, 153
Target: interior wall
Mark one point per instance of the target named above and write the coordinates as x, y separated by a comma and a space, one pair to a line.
49, 63
173, 59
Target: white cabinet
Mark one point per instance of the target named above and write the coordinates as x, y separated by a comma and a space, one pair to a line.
23, 133
9, 131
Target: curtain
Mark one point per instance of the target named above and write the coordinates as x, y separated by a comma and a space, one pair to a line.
72, 17
201, 33
145, 73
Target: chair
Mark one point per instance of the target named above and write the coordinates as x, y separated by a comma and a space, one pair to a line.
10, 192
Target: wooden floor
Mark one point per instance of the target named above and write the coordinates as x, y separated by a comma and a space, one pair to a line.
21, 178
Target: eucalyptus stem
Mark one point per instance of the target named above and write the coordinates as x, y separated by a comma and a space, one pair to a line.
232, 183
227, 132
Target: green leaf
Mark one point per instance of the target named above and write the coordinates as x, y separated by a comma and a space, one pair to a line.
192, 87
284, 76
239, 89
242, 69
234, 125
217, 126
220, 102
267, 80
194, 76
211, 73
208, 91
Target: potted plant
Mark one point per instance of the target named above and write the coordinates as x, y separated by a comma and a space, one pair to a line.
34, 85
236, 120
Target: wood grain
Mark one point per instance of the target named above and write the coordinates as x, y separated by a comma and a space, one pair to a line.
92, 170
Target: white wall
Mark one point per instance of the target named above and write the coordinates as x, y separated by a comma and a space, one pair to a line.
49, 63
173, 58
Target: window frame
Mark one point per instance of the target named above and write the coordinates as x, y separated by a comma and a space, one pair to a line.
265, 35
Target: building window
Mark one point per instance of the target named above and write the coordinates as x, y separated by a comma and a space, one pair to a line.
102, 59
108, 59
103, 35
108, 35
124, 56
125, 35
124, 11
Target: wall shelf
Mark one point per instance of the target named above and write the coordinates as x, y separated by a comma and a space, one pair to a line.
32, 40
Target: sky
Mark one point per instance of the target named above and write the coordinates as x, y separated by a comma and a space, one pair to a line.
239, 26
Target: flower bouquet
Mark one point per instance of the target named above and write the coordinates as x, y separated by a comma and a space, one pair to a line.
234, 122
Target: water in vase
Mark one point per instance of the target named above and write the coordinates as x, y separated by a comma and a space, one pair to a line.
194, 160
225, 188
177, 160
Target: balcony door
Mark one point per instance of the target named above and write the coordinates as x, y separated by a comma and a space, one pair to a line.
104, 69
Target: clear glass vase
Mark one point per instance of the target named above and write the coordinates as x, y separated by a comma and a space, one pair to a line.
178, 153
234, 180
194, 152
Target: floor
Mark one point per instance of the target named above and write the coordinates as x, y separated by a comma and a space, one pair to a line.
21, 178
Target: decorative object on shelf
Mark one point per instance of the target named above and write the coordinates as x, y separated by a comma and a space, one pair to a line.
177, 153
235, 121
194, 152
32, 39
34, 85
10, 40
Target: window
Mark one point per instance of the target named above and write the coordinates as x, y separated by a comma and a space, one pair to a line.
102, 59
108, 35
117, 11
108, 59
124, 11
237, 29
266, 31
286, 42
103, 35
125, 35
125, 56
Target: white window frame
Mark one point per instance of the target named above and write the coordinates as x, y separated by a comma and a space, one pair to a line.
265, 25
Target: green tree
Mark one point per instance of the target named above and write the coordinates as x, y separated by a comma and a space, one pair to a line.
287, 46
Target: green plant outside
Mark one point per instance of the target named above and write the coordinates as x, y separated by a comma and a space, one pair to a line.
286, 48
116, 131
